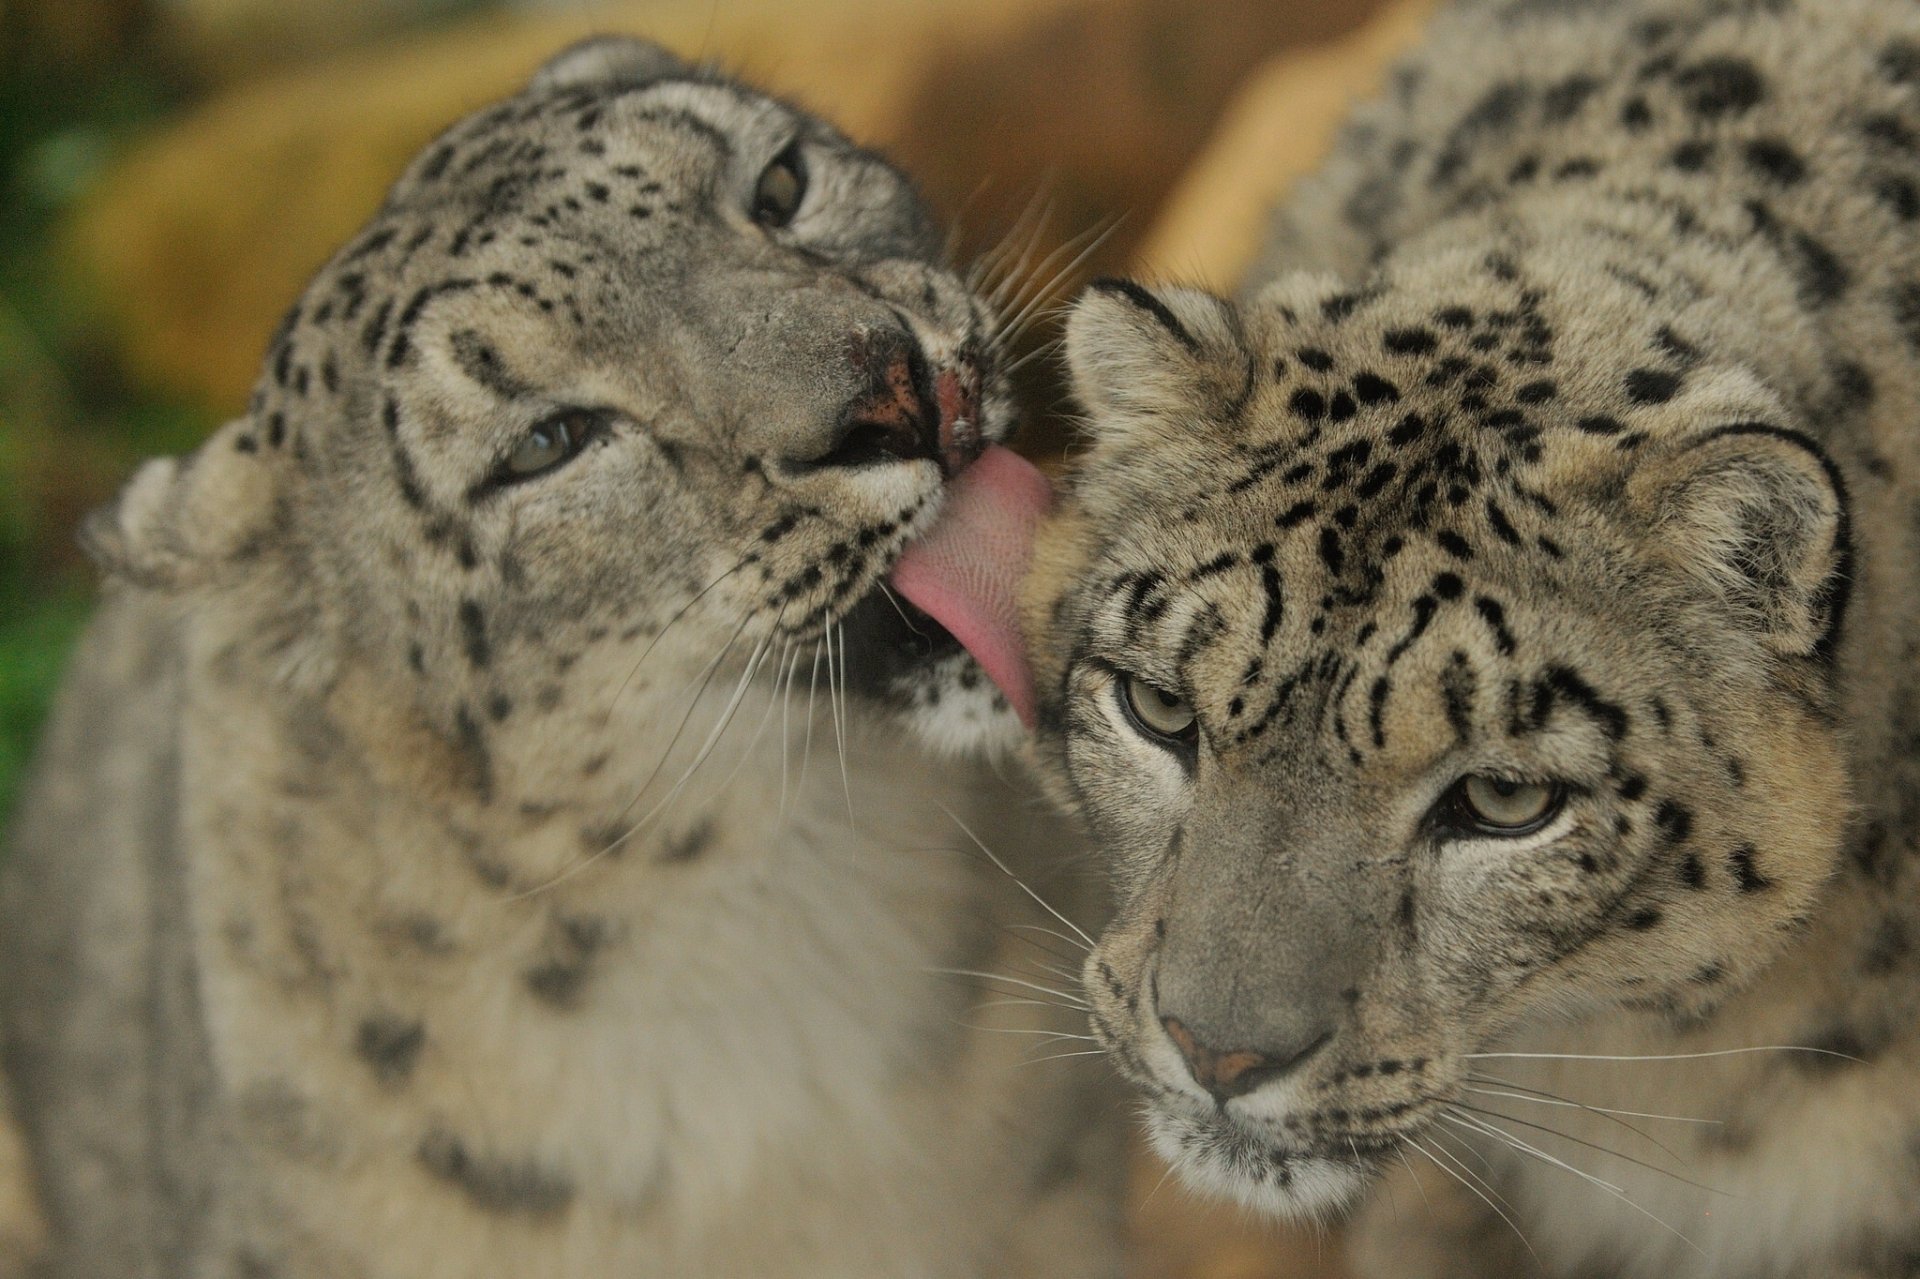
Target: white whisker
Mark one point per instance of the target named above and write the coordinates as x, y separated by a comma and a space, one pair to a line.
1519, 1233
1723, 1052
1015, 981
994, 858
1516, 1143
1602, 1110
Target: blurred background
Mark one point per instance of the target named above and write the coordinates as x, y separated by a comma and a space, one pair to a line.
173, 170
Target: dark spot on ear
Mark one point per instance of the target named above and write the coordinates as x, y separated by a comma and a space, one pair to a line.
1153, 306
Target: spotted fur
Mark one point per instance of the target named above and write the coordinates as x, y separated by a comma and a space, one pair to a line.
435, 870
1565, 434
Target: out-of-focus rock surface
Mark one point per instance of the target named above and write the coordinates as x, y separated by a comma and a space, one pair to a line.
195, 244
1277, 129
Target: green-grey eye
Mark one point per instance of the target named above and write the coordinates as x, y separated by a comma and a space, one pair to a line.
1502, 806
1156, 712
551, 441
782, 188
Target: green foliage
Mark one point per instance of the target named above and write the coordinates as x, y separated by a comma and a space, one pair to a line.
36, 630
71, 423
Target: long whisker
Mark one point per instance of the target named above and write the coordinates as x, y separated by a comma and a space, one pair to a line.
1601, 1112
712, 668
1415, 1178
1053, 932
994, 858
1027, 1030
1501, 1135
1550, 1099
835, 697
1042, 295
813, 687
1022, 237
1590, 1145
786, 731
1011, 1002
1506, 1138
766, 716
1519, 1233
661, 634
702, 681
1723, 1052
1035, 1061
1040, 947
1015, 981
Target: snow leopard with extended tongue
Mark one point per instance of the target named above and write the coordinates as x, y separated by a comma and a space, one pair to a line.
455, 851
1486, 652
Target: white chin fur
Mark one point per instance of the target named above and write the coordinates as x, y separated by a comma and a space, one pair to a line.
1217, 1162
956, 721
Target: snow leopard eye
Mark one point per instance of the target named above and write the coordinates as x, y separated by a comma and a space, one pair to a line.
1486, 805
1156, 712
553, 440
781, 190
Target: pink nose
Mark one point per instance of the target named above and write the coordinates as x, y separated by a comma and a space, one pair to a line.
1224, 1074
893, 418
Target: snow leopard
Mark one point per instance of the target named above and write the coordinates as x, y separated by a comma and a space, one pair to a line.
1484, 651
494, 824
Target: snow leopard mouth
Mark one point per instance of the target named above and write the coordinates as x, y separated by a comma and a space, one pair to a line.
1270, 1173
948, 611
890, 639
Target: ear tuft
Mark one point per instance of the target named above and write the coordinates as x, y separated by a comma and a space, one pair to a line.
179, 520
608, 61
1758, 514
1138, 354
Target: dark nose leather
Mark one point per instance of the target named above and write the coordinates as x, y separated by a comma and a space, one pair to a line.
1234, 1072
895, 416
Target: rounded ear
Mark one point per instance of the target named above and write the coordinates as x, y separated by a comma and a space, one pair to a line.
1758, 516
607, 61
1137, 355
179, 521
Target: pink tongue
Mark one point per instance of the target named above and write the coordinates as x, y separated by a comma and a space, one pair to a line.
965, 573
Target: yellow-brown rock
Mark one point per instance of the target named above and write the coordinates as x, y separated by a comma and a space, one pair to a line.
196, 243
1277, 130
